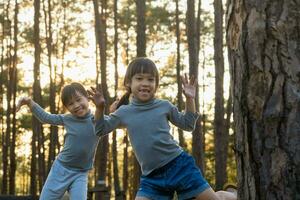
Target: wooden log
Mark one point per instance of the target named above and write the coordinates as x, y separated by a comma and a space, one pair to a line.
12, 197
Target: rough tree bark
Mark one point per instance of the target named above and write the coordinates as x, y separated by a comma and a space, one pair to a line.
101, 38
264, 53
178, 73
220, 137
13, 84
36, 126
2, 83
117, 187
49, 41
141, 28
193, 48
6, 81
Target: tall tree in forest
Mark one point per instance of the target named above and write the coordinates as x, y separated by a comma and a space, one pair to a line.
204, 115
193, 37
36, 126
6, 134
117, 187
64, 44
2, 83
13, 85
141, 28
178, 72
264, 55
125, 165
126, 19
100, 28
53, 129
140, 52
220, 137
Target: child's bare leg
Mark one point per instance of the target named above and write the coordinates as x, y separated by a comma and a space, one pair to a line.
141, 198
210, 194
223, 195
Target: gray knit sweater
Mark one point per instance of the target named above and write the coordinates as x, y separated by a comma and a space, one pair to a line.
80, 140
149, 130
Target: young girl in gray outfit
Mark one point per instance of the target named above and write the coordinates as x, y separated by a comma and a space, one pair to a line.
166, 168
69, 171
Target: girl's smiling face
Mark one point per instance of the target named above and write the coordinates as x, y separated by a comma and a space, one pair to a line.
143, 86
78, 105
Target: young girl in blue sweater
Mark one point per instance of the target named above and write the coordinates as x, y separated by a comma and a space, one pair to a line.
165, 166
69, 171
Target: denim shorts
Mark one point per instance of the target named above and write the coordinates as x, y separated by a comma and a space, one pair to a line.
180, 175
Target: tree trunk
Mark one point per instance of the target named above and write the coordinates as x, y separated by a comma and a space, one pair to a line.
62, 58
203, 116
2, 83
12, 172
53, 129
178, 74
125, 139
125, 165
118, 192
219, 131
109, 171
115, 167
141, 28
263, 41
193, 49
100, 28
36, 126
6, 134
6, 141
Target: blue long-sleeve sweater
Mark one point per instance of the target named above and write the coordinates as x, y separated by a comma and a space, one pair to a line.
149, 130
80, 140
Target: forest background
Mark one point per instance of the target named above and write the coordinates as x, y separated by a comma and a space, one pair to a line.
46, 44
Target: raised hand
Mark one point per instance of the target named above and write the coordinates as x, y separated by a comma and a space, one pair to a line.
189, 86
23, 101
96, 95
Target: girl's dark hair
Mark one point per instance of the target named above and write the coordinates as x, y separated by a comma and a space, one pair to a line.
139, 65
72, 90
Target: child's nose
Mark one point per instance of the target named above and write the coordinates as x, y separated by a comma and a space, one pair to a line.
145, 82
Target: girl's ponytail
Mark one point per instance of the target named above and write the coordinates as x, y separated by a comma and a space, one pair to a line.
124, 99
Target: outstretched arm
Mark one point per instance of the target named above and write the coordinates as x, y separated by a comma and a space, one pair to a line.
39, 112
189, 91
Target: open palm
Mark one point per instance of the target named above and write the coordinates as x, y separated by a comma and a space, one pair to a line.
96, 95
189, 86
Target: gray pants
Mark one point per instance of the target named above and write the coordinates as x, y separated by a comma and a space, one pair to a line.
61, 179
